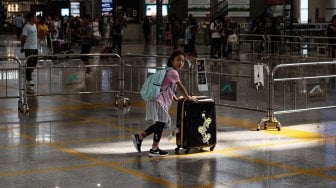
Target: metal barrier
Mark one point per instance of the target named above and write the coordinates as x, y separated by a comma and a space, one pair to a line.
307, 95
236, 75
10, 74
218, 72
65, 74
256, 46
142, 65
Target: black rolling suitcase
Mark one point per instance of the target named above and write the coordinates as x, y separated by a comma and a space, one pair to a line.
196, 124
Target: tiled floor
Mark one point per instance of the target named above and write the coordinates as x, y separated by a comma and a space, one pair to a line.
84, 141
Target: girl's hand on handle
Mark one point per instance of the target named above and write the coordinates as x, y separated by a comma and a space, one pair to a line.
192, 98
180, 98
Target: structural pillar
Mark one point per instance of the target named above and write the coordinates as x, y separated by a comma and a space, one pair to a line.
159, 22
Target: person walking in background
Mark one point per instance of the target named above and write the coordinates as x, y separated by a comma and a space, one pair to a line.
157, 109
146, 28
19, 22
168, 34
229, 28
176, 31
118, 24
86, 34
191, 31
42, 33
29, 46
216, 35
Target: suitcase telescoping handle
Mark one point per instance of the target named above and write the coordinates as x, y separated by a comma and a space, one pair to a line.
204, 99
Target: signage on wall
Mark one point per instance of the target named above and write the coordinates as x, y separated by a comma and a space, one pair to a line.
228, 91
201, 76
316, 92
106, 6
239, 8
275, 2
199, 8
154, 1
75, 8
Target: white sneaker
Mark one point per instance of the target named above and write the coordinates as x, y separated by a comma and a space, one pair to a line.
30, 89
30, 83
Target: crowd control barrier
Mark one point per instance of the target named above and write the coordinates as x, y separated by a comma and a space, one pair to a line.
299, 87
264, 87
66, 74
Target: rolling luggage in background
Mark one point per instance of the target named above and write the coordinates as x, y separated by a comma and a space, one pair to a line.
196, 124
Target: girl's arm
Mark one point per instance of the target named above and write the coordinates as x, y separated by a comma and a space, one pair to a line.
185, 93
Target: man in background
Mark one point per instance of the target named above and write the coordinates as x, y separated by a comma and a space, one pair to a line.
30, 47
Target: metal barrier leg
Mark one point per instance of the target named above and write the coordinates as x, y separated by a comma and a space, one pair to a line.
120, 99
270, 120
23, 100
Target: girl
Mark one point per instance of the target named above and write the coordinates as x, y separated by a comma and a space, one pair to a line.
157, 109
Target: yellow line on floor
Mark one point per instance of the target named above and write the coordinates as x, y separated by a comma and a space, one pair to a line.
150, 178
291, 133
48, 170
96, 162
313, 172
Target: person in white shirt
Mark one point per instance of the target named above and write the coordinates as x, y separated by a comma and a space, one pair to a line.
29, 46
216, 35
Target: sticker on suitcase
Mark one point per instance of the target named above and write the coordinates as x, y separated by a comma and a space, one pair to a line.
204, 128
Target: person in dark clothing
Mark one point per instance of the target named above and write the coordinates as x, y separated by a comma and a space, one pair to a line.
86, 40
117, 31
101, 25
192, 27
176, 31
146, 27
216, 35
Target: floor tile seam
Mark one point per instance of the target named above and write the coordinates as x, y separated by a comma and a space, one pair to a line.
101, 163
284, 175
244, 148
296, 171
47, 170
90, 140
272, 144
121, 162
145, 176
102, 122
246, 124
122, 127
311, 172
284, 130
111, 165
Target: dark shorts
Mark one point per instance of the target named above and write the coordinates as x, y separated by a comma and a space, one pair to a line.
85, 49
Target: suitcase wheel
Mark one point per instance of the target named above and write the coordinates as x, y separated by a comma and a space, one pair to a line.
212, 147
177, 150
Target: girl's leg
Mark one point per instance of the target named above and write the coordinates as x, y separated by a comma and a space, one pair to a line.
157, 129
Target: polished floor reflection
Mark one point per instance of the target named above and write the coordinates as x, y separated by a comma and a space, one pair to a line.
84, 141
